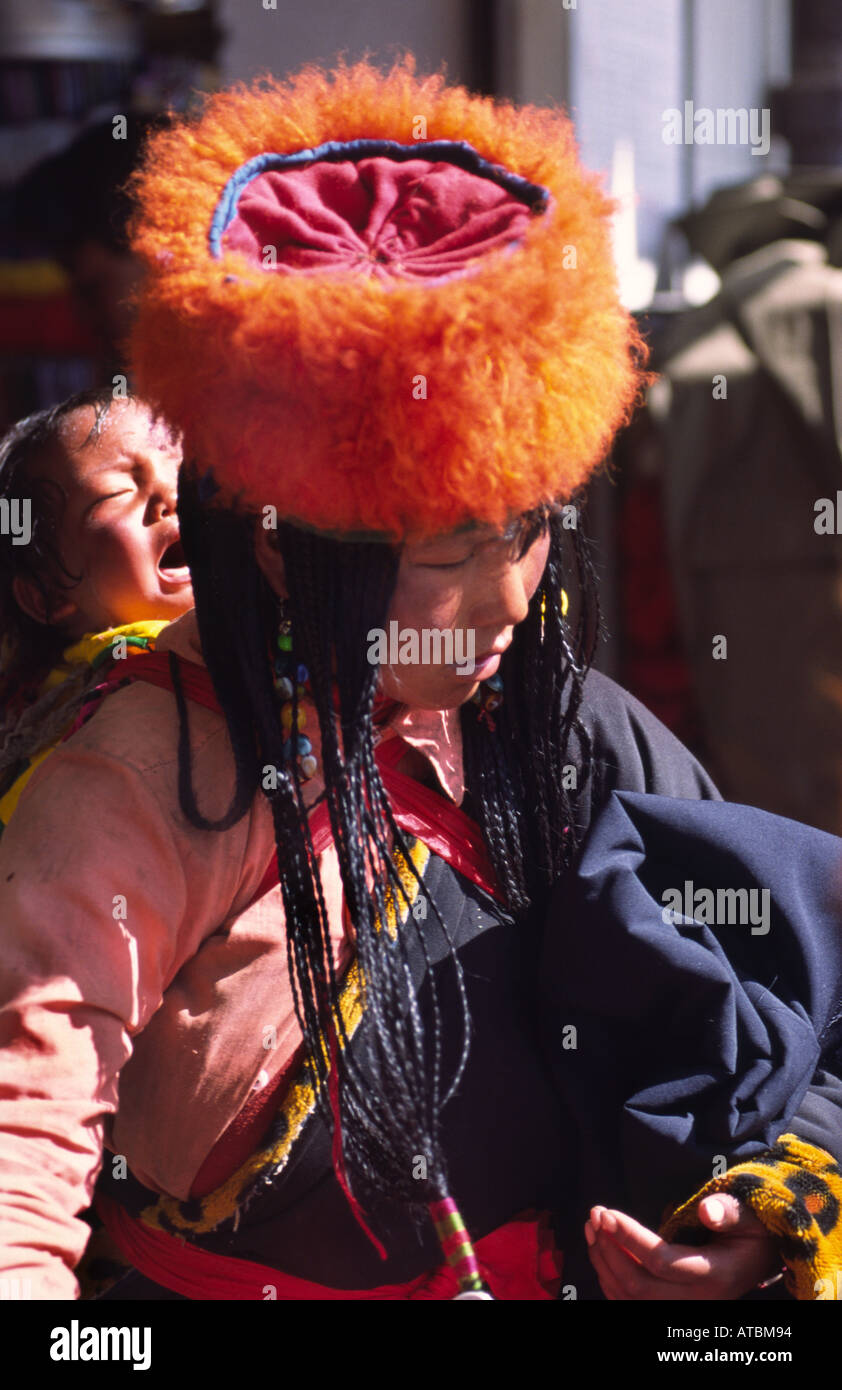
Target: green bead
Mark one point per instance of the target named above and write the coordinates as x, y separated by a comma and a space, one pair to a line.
285, 641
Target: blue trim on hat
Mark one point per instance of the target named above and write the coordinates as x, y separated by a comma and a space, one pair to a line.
457, 152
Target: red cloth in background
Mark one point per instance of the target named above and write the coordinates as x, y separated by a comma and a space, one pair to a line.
654, 668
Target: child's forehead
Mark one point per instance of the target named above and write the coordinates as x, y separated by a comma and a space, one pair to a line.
93, 425
90, 437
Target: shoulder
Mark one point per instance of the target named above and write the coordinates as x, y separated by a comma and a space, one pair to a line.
631, 750
135, 731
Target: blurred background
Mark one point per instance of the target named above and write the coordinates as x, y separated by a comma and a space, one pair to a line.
719, 567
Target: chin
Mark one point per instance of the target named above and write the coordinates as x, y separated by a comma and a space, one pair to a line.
449, 694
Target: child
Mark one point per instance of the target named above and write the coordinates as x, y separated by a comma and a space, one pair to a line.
90, 555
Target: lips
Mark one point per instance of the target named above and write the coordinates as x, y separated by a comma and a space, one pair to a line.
172, 566
476, 670
173, 557
497, 650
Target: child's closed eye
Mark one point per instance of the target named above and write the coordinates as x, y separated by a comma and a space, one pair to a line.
106, 497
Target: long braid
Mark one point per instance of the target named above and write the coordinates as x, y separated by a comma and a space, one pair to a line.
518, 774
232, 611
386, 1123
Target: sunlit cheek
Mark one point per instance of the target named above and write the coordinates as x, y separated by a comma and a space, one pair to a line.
115, 549
426, 600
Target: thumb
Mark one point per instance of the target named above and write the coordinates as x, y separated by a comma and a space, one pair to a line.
722, 1212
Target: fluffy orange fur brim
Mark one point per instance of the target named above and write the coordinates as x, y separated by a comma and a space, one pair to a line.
297, 390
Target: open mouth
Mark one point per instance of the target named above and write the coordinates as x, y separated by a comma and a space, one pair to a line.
172, 563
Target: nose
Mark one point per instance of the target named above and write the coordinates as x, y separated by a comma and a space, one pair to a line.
505, 602
163, 500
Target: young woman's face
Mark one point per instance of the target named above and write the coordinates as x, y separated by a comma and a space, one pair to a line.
470, 587
473, 583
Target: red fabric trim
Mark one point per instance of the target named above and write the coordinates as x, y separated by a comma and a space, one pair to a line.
195, 680
513, 1260
247, 1130
441, 825
415, 220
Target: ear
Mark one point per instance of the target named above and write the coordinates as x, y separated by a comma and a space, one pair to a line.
30, 600
269, 558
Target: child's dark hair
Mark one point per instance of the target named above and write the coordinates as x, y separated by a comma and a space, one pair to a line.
31, 648
390, 1102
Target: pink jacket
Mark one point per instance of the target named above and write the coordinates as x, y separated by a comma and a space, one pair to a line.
135, 970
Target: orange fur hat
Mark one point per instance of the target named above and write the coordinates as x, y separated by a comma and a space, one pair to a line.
435, 338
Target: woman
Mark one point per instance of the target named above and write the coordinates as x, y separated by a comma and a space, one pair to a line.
311, 907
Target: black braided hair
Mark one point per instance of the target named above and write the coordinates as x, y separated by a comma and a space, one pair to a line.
391, 1091
526, 776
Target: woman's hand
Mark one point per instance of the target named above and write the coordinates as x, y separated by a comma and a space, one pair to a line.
633, 1263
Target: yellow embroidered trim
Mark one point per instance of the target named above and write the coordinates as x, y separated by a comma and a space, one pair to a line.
88, 647
169, 1213
796, 1191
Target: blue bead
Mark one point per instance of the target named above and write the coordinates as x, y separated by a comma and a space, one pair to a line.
304, 744
302, 675
495, 682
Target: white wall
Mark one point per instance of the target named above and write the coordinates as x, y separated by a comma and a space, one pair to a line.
741, 48
629, 64
279, 41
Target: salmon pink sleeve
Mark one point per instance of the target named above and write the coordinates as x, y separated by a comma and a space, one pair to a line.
93, 900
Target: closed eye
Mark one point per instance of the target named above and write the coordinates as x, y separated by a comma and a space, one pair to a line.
105, 498
454, 565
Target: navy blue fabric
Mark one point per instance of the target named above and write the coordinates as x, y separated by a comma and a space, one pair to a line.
694, 1044
457, 152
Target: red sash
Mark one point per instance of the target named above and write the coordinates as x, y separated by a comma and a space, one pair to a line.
517, 1261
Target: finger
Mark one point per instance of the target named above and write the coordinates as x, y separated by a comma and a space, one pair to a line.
637, 1283
723, 1212
610, 1286
680, 1263
619, 1266
720, 1211
629, 1274
634, 1237
596, 1215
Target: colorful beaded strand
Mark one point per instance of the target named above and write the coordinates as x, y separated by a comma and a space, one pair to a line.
489, 696
457, 1248
286, 676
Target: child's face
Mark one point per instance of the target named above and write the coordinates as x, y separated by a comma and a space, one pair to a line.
119, 530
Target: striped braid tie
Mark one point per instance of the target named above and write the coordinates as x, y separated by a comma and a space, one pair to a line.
457, 1248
